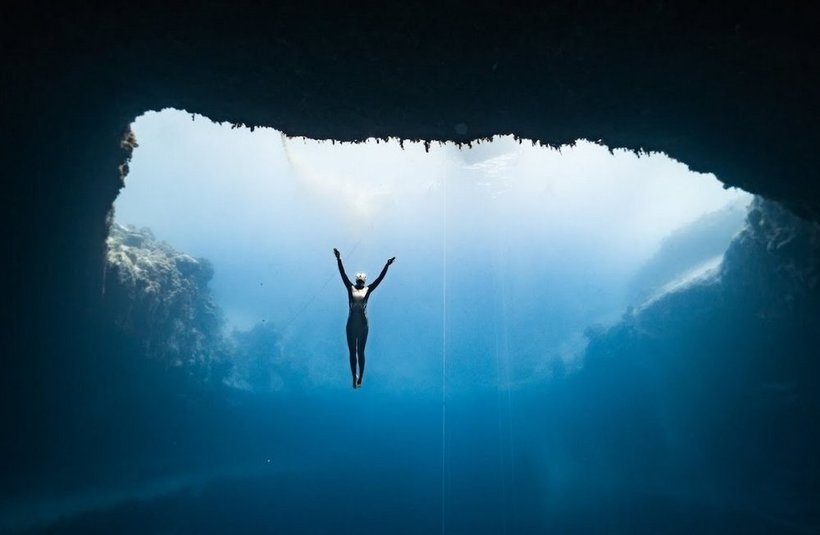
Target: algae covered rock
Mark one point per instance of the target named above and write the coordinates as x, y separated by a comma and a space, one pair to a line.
721, 372
160, 297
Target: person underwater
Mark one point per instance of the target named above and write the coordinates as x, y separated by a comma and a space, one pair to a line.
357, 328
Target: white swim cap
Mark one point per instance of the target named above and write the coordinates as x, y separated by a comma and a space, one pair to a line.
361, 277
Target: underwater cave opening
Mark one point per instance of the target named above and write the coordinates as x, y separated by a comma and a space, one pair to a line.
508, 254
570, 337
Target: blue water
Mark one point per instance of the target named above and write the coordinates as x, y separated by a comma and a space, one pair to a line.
551, 352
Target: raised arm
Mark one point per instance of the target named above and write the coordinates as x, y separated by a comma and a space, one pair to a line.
378, 280
345, 280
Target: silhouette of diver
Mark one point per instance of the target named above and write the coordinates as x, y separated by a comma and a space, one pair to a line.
357, 296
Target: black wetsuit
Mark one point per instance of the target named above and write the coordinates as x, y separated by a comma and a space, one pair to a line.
357, 327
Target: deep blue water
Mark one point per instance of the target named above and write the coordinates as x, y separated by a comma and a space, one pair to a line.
373, 463
525, 373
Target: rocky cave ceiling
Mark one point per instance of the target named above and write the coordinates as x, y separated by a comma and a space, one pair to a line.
729, 88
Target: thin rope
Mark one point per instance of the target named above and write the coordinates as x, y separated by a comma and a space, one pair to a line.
500, 378
505, 352
297, 168
324, 285
444, 362
509, 379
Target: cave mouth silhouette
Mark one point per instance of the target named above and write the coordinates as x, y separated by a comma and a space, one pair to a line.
582, 227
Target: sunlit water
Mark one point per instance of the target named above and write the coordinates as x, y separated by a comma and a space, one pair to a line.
507, 254
505, 244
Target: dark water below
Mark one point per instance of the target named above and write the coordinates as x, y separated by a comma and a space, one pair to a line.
372, 462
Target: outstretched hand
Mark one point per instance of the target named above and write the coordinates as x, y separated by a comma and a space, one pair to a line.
391, 260
337, 253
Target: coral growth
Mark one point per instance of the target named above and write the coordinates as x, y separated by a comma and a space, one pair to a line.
160, 296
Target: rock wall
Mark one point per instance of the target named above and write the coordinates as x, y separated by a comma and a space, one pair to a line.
712, 391
728, 89
160, 297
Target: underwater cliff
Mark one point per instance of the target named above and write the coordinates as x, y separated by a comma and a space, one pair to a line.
708, 394
160, 296
160, 299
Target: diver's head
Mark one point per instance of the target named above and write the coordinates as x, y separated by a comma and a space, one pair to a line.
361, 278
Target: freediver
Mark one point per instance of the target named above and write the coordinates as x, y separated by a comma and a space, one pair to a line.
357, 296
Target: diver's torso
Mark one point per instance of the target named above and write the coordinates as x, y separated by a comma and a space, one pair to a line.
358, 301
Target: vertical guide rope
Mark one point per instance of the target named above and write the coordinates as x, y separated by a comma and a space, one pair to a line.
444, 358
321, 289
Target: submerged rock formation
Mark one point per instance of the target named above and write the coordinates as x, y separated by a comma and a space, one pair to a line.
258, 362
160, 296
712, 390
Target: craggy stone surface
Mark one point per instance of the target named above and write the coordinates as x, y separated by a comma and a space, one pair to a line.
712, 389
728, 88
160, 297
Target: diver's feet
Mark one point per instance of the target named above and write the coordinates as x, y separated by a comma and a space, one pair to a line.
359, 382
356, 382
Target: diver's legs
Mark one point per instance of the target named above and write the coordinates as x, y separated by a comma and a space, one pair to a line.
360, 351
351, 346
